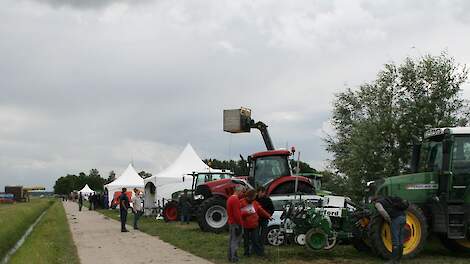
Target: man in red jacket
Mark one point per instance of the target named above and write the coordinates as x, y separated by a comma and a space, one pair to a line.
234, 223
251, 211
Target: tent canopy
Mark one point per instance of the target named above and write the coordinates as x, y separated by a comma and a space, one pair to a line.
86, 190
128, 179
171, 180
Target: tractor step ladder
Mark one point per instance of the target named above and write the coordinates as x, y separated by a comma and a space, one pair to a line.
457, 227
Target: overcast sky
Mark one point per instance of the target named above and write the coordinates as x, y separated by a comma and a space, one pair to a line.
95, 84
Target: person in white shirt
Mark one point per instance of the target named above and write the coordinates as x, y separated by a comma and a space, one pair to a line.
137, 207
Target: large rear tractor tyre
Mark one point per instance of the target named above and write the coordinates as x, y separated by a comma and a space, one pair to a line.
289, 187
416, 232
170, 211
459, 246
212, 215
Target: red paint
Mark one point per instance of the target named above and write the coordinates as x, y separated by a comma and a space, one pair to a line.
271, 153
274, 184
116, 197
171, 213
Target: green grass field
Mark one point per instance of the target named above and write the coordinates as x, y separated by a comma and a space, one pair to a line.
16, 218
50, 242
214, 247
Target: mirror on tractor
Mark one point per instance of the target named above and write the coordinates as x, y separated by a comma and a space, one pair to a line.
237, 120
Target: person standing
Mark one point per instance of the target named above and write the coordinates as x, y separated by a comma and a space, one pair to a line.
91, 197
137, 208
105, 200
251, 211
185, 206
393, 210
80, 202
234, 223
268, 206
123, 206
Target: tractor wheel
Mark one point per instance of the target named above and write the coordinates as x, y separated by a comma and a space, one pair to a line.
212, 215
461, 246
289, 187
170, 211
416, 231
274, 236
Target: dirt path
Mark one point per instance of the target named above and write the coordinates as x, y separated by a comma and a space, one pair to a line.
98, 239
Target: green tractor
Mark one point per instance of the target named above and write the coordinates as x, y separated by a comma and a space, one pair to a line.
438, 189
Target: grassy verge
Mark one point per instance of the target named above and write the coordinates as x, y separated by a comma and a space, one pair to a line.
214, 247
16, 218
50, 242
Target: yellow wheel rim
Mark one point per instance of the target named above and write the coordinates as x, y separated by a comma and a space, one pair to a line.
412, 237
463, 242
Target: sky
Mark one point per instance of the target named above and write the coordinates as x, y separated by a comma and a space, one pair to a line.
97, 84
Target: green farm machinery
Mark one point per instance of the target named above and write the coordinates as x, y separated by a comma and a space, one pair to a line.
437, 188
320, 223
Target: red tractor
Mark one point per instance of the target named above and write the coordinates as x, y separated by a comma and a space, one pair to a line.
270, 169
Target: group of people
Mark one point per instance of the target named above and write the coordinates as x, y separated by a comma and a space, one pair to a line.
124, 206
97, 201
249, 212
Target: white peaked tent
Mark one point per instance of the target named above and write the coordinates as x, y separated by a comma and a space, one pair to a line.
174, 178
86, 191
128, 179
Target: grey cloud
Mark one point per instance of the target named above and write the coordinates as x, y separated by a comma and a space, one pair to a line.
83, 89
87, 4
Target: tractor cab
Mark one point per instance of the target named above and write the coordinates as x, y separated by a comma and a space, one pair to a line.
267, 166
446, 152
203, 177
440, 169
271, 169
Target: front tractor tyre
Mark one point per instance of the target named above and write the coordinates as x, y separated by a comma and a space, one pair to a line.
212, 215
416, 232
170, 211
460, 246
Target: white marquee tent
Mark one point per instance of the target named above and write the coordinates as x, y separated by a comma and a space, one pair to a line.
174, 178
128, 179
86, 191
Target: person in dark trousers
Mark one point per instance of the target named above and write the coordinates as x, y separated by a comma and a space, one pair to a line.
137, 208
90, 201
80, 202
105, 200
234, 223
96, 201
123, 206
393, 210
251, 211
268, 206
184, 203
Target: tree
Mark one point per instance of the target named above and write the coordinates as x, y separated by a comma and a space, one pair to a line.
144, 174
374, 123
238, 167
303, 166
71, 182
111, 177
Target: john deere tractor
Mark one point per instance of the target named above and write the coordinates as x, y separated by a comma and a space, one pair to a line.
438, 189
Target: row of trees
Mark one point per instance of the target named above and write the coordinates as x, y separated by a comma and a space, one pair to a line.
72, 182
